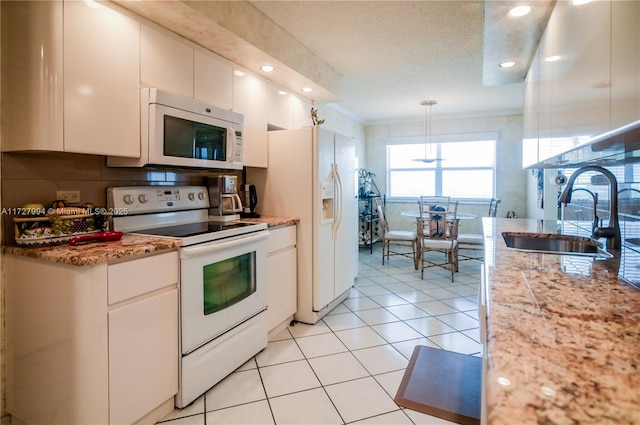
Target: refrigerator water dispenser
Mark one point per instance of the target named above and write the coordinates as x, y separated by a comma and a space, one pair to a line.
327, 195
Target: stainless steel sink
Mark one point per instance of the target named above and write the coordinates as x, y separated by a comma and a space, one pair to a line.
552, 243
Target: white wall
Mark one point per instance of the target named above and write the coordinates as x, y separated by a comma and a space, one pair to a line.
511, 185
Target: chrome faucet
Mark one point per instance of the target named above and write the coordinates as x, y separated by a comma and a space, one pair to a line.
612, 232
594, 225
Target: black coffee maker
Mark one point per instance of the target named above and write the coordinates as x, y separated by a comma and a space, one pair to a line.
250, 202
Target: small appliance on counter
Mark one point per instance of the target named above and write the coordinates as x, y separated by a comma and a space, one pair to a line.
250, 202
223, 196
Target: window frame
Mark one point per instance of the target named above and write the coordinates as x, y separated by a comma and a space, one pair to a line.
438, 141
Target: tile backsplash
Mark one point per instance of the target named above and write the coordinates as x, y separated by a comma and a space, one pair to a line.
35, 178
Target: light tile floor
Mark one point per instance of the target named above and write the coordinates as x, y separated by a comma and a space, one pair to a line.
347, 367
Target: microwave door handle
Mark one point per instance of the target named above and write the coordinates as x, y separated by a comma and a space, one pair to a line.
231, 140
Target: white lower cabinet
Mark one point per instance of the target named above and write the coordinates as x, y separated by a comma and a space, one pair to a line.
283, 281
91, 344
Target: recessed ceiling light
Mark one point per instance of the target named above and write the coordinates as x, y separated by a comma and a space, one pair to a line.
519, 11
238, 73
267, 68
507, 64
307, 89
580, 2
553, 58
282, 92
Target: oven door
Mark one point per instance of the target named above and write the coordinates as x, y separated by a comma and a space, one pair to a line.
222, 284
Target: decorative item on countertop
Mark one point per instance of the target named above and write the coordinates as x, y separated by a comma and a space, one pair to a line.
57, 224
314, 117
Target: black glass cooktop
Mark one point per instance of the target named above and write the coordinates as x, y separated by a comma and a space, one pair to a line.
194, 229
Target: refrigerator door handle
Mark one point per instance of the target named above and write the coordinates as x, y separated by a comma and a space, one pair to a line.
338, 205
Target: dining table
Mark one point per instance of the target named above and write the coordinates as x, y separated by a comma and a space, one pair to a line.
458, 216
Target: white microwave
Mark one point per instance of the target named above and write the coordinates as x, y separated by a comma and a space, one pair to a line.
183, 132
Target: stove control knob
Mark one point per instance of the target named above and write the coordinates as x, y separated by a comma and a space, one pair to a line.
128, 199
192, 196
143, 198
201, 196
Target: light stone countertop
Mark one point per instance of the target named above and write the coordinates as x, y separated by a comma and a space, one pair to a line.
274, 222
563, 334
96, 252
130, 245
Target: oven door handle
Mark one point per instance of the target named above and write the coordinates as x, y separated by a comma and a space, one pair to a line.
208, 247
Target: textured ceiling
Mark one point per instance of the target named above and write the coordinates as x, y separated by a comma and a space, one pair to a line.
382, 57
393, 54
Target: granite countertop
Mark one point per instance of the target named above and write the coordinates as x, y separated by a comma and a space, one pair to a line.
129, 246
96, 252
563, 334
274, 222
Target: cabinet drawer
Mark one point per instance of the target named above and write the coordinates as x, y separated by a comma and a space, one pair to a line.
281, 238
137, 277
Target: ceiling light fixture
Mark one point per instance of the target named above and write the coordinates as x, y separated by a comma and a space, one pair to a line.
282, 92
267, 68
428, 157
519, 11
307, 89
507, 64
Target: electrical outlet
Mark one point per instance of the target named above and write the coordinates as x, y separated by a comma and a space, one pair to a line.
71, 196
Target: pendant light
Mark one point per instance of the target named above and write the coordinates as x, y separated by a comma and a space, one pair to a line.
428, 157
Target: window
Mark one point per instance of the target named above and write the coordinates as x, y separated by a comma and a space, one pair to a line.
467, 170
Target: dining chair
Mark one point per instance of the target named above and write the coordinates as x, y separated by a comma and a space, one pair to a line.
437, 232
397, 239
475, 241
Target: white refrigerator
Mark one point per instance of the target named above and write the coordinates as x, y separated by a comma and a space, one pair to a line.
312, 175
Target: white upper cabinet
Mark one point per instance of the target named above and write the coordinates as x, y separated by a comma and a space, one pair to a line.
212, 80
101, 87
287, 110
581, 73
586, 77
530, 115
625, 62
75, 69
280, 111
301, 112
166, 62
70, 78
32, 103
250, 99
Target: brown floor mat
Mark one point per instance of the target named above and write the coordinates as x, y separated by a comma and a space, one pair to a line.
443, 384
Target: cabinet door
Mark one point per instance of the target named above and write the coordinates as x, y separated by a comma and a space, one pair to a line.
143, 356
250, 99
625, 63
32, 76
212, 80
165, 62
581, 73
280, 110
301, 112
101, 86
282, 294
530, 115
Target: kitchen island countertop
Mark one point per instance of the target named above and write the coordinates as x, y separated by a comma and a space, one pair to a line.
563, 334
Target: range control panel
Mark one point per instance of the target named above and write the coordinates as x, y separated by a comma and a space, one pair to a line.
129, 200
